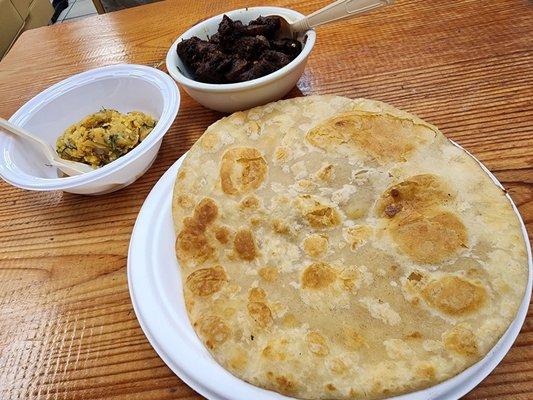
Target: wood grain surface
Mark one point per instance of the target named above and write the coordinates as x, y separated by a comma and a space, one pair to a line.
67, 328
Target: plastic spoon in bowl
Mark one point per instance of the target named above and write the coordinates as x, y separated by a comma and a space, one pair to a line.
338, 10
68, 167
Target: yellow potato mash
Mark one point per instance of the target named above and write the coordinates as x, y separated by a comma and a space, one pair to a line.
104, 136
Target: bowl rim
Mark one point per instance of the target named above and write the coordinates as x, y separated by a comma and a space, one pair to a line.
171, 102
234, 87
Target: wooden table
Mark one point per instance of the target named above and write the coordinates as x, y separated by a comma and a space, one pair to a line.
67, 328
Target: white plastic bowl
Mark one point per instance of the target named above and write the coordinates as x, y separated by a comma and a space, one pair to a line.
123, 87
240, 96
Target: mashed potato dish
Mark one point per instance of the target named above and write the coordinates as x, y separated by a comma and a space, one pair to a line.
104, 136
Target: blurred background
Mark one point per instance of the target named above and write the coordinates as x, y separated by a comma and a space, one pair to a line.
17, 16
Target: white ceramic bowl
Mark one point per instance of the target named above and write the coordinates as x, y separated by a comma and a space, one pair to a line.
123, 87
240, 96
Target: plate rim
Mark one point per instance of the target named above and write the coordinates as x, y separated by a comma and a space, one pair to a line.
458, 385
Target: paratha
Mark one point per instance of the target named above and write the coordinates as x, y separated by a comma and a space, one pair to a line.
333, 248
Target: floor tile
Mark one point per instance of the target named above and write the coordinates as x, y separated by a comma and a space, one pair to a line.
81, 8
77, 18
64, 13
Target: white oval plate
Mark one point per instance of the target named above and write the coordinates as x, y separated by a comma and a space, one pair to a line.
155, 287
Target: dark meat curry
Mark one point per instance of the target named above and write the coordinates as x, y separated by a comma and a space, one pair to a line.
238, 52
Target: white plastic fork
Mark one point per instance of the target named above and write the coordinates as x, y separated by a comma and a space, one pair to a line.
70, 168
336, 11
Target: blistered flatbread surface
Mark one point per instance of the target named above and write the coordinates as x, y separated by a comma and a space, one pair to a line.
333, 248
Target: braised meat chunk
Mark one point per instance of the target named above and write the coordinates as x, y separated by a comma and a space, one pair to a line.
238, 52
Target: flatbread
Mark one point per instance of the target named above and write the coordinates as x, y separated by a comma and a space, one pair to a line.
343, 249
